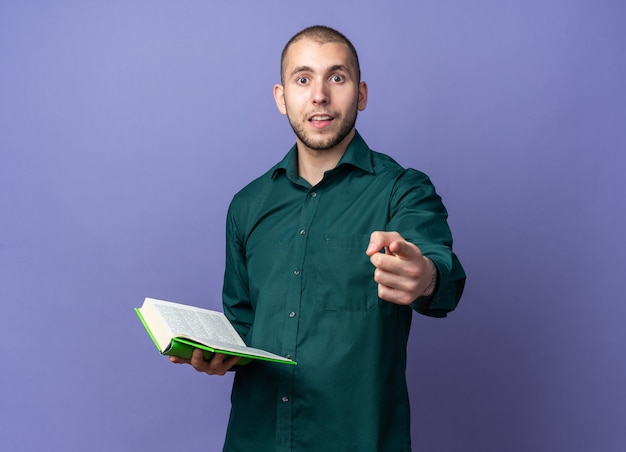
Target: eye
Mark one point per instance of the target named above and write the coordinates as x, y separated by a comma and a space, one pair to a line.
302, 80
337, 78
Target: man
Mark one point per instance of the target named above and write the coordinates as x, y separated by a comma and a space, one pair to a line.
328, 254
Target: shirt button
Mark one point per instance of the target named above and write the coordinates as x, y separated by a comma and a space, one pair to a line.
285, 399
296, 272
288, 356
302, 232
313, 195
292, 314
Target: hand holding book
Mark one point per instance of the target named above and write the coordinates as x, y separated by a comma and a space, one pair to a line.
219, 364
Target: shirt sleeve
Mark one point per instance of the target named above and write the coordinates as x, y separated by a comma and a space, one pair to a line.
236, 294
418, 214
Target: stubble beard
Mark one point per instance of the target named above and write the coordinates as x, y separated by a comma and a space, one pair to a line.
325, 143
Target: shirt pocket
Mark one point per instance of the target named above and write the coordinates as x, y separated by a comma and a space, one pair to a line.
346, 275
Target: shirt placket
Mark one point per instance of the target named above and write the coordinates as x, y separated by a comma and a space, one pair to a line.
285, 402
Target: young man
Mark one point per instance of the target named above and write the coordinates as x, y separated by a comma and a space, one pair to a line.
328, 254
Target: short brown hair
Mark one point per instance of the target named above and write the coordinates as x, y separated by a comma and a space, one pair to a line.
323, 35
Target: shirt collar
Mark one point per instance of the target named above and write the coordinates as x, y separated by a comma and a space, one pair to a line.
357, 154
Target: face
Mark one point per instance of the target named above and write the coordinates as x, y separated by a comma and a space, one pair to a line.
321, 94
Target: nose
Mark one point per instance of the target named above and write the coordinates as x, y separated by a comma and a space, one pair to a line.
320, 93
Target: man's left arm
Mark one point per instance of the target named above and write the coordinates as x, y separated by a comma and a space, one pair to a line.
417, 267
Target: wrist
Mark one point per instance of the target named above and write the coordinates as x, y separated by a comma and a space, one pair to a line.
433, 279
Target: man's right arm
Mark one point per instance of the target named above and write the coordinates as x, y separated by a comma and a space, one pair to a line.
236, 290
236, 303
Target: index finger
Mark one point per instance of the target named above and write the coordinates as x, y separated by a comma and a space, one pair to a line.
404, 250
381, 240
393, 243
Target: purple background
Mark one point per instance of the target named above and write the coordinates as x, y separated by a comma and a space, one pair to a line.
127, 126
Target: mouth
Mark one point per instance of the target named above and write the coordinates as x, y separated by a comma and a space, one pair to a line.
320, 118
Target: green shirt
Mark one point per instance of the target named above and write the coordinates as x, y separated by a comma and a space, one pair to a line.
298, 283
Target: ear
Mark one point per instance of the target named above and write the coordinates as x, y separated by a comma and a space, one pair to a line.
362, 101
279, 97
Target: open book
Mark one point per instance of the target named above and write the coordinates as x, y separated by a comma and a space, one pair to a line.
178, 329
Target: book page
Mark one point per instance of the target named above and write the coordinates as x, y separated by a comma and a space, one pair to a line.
177, 325
211, 328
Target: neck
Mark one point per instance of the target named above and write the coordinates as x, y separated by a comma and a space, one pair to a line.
313, 164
